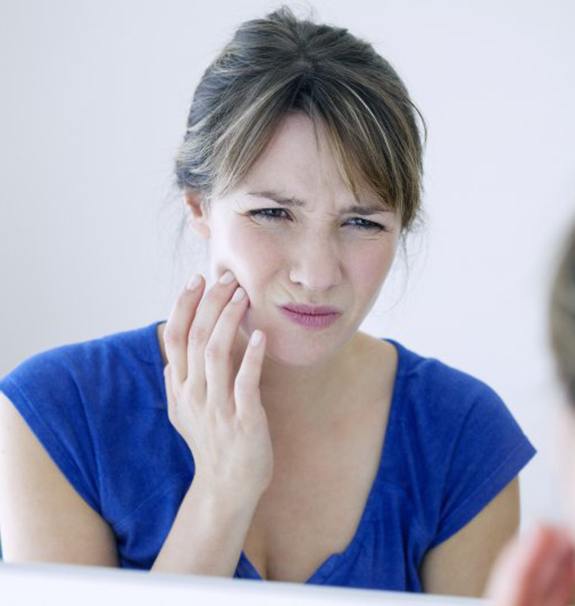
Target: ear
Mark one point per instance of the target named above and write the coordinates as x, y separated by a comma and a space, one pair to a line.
199, 219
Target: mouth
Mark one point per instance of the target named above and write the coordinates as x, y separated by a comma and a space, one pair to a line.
311, 310
310, 320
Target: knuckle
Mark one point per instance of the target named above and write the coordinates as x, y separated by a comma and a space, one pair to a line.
242, 387
236, 307
226, 320
198, 335
217, 293
213, 351
172, 336
193, 393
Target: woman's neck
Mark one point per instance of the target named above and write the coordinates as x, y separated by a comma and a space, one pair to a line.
303, 394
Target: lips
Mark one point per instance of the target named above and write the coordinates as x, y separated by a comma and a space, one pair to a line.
300, 314
311, 310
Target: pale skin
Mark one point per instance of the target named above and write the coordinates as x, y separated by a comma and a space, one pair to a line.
260, 420
538, 568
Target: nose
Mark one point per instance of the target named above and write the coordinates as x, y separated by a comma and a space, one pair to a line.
315, 262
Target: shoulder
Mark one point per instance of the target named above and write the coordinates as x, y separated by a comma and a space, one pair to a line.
134, 344
460, 442
455, 421
439, 392
78, 370
92, 404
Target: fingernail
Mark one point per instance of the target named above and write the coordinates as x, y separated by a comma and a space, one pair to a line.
239, 294
194, 282
256, 337
226, 278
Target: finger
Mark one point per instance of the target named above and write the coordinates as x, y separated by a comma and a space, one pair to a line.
559, 590
557, 578
168, 370
540, 565
555, 547
247, 383
566, 582
178, 327
218, 358
514, 581
207, 314
535, 573
507, 583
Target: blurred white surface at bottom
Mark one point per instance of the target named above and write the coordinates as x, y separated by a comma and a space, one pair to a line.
45, 584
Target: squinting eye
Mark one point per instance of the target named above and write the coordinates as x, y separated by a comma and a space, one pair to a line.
368, 224
262, 213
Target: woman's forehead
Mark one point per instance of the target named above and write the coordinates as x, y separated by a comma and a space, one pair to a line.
298, 164
299, 143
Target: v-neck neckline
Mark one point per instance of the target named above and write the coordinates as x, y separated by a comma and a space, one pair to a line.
247, 570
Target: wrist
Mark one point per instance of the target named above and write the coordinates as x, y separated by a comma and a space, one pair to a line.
232, 497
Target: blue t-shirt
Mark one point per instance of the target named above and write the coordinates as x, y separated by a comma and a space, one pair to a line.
99, 408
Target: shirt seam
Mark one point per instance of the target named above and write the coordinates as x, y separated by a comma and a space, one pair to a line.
456, 514
96, 505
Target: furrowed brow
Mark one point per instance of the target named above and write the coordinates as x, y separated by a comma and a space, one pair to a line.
359, 209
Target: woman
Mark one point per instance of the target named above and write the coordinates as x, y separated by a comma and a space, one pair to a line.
539, 569
317, 453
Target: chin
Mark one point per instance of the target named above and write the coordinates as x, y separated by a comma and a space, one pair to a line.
296, 357
287, 347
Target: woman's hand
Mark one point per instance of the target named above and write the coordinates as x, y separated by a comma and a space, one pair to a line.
219, 415
536, 570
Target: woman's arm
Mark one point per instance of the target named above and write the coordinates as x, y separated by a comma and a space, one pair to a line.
208, 533
461, 564
42, 517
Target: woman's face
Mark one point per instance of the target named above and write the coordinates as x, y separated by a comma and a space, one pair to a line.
317, 252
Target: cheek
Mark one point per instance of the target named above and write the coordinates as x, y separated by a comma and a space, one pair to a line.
254, 246
370, 267
252, 256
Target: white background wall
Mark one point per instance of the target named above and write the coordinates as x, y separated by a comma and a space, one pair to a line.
93, 105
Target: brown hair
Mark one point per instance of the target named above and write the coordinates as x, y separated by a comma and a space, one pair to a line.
562, 317
282, 64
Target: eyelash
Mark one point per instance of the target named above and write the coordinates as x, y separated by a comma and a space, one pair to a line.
366, 226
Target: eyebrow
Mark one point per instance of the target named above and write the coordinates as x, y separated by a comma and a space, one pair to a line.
360, 209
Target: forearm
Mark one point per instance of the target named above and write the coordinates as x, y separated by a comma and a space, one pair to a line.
208, 533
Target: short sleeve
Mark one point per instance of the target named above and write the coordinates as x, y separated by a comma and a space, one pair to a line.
488, 452
44, 392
